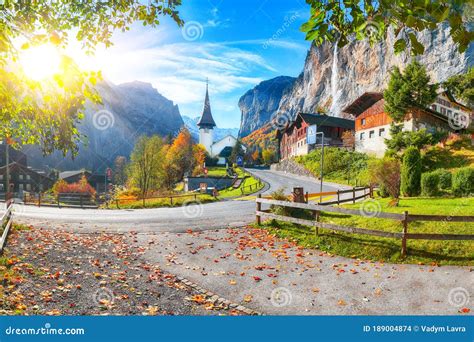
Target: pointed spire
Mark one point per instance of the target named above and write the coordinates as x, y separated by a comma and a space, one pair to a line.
206, 121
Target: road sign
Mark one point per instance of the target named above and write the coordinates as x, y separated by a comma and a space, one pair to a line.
240, 161
108, 172
311, 134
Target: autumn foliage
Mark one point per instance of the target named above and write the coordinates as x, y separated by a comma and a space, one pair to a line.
80, 187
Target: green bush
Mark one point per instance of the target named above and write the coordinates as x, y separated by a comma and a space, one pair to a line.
339, 164
444, 179
411, 172
429, 184
463, 181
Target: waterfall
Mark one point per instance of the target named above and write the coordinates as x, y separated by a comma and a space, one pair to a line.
335, 109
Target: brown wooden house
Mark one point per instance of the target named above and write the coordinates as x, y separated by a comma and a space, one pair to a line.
299, 137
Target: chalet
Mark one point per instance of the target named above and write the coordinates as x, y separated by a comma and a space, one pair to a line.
300, 136
372, 123
23, 178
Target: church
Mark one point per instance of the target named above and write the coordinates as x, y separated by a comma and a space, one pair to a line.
220, 149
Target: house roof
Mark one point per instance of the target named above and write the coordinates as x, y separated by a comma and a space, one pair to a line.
67, 174
206, 120
326, 120
453, 100
25, 169
363, 102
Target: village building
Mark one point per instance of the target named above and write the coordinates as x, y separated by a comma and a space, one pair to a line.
302, 135
372, 123
217, 149
22, 177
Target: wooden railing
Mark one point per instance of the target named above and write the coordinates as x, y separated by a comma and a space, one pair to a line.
6, 222
404, 219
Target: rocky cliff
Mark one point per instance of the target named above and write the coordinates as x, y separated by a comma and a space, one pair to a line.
360, 68
128, 111
259, 104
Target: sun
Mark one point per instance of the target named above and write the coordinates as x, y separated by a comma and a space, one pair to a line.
40, 62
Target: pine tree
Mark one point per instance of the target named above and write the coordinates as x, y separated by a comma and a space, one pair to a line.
409, 89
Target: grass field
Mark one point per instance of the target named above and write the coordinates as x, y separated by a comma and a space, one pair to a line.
249, 186
163, 202
375, 248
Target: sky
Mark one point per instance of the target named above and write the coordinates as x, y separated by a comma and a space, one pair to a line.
236, 44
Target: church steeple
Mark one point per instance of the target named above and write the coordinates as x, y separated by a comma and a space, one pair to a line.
206, 120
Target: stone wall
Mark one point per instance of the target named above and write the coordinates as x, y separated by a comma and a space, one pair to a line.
192, 183
291, 166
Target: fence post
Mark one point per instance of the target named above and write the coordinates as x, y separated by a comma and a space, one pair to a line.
371, 191
80, 199
39, 199
353, 195
195, 197
171, 200
316, 218
58, 202
405, 230
259, 208
338, 198
307, 197
117, 203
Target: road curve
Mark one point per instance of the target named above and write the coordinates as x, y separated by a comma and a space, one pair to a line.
233, 213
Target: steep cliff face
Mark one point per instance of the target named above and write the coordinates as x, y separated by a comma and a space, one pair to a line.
363, 68
128, 111
260, 103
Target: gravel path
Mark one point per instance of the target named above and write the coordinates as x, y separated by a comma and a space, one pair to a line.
48, 272
274, 276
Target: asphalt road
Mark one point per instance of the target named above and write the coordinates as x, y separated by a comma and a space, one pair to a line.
233, 213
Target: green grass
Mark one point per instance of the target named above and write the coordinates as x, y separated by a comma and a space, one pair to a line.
249, 186
164, 202
384, 249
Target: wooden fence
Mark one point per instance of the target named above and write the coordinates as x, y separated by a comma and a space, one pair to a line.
171, 198
6, 222
404, 219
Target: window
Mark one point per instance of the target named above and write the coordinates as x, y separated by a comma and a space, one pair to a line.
382, 132
20, 176
20, 187
362, 122
28, 177
362, 136
1, 177
28, 187
2, 187
371, 134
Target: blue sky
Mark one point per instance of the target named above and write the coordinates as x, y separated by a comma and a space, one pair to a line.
236, 44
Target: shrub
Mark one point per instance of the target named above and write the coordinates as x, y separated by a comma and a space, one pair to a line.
444, 179
463, 181
411, 172
386, 174
82, 186
429, 184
